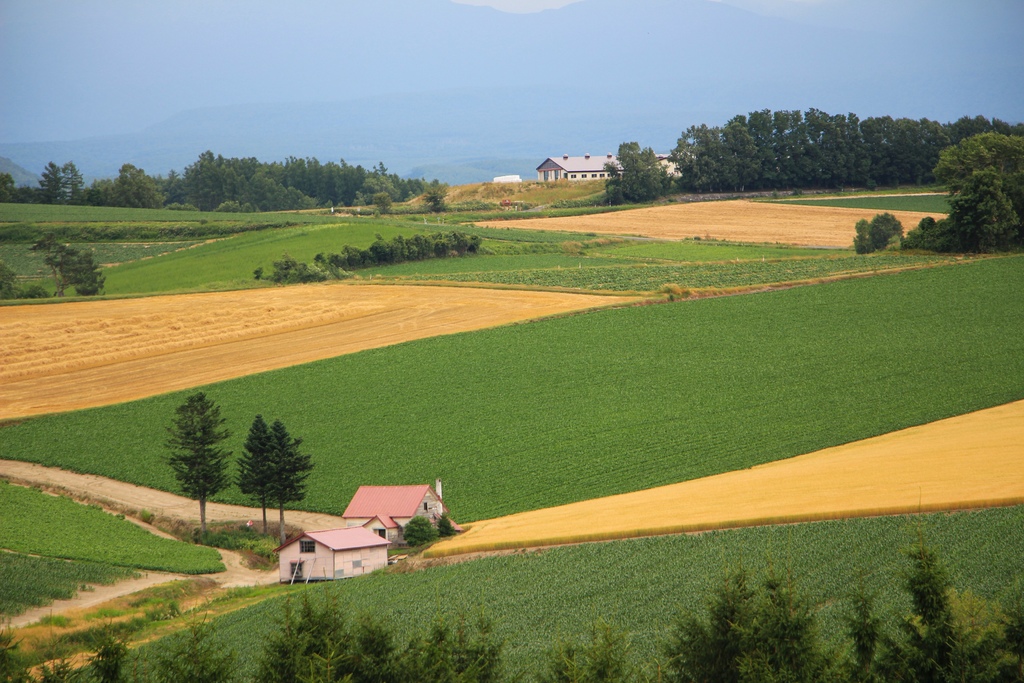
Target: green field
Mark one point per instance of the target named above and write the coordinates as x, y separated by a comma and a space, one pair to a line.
490, 264
929, 203
58, 213
229, 263
594, 274
699, 250
40, 524
642, 585
528, 416
27, 581
23, 261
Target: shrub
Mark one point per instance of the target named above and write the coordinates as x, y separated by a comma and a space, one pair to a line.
445, 526
883, 229
419, 531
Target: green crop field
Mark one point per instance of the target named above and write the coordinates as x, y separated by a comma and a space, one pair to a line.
533, 415
23, 261
40, 524
929, 203
700, 250
595, 275
27, 581
58, 213
486, 265
642, 585
229, 263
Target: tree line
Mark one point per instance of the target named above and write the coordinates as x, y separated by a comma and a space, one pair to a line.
766, 150
398, 249
752, 630
216, 183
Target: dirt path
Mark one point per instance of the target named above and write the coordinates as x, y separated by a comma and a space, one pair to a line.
75, 355
160, 503
970, 461
734, 220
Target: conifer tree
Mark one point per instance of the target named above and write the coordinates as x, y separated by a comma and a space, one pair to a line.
199, 463
256, 467
291, 468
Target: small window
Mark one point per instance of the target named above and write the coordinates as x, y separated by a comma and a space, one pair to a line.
593, 175
296, 570
356, 564
307, 546
425, 506
573, 175
383, 533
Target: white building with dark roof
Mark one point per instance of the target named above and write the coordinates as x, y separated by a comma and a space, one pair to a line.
569, 168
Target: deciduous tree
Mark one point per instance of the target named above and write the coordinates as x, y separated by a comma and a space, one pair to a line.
70, 267
199, 463
642, 178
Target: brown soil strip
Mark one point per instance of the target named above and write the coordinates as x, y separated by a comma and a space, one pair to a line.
736, 221
84, 354
970, 461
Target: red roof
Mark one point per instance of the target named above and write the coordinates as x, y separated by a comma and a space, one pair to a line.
341, 539
386, 501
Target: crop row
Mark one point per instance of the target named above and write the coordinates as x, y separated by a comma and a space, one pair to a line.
27, 581
36, 523
642, 586
651, 277
528, 416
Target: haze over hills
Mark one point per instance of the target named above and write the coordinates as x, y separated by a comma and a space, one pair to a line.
464, 93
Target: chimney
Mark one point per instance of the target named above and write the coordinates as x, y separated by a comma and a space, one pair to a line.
565, 156
609, 155
587, 155
437, 489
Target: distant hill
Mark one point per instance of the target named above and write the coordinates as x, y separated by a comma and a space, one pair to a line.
462, 89
20, 175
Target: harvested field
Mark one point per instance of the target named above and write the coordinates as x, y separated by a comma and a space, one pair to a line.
83, 354
736, 221
969, 461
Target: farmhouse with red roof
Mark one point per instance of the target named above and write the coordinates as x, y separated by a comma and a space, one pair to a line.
385, 510
331, 554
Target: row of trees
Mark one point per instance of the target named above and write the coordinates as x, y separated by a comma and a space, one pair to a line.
768, 150
752, 631
228, 184
272, 469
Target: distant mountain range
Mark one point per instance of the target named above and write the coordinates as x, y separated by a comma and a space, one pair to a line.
20, 175
466, 93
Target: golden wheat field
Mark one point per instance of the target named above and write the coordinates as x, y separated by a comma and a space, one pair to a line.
963, 462
76, 355
736, 221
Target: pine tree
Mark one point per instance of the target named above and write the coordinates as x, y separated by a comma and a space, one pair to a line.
199, 464
291, 468
255, 467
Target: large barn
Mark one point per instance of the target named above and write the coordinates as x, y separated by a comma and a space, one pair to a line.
576, 169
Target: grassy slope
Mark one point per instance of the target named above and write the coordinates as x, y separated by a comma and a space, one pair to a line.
27, 581
36, 523
229, 263
690, 250
642, 585
529, 416
932, 203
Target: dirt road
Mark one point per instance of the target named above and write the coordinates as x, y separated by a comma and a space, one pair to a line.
69, 356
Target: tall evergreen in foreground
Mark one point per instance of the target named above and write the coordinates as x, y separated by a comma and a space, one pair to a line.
290, 467
199, 463
256, 467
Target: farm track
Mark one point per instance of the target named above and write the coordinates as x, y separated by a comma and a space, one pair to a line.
964, 462
76, 355
734, 220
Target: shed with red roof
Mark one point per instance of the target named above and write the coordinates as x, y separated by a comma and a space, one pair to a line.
332, 554
385, 510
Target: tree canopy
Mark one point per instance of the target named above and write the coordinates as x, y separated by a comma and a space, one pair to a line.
639, 177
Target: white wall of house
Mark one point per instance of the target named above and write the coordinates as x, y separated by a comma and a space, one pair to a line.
317, 565
349, 563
